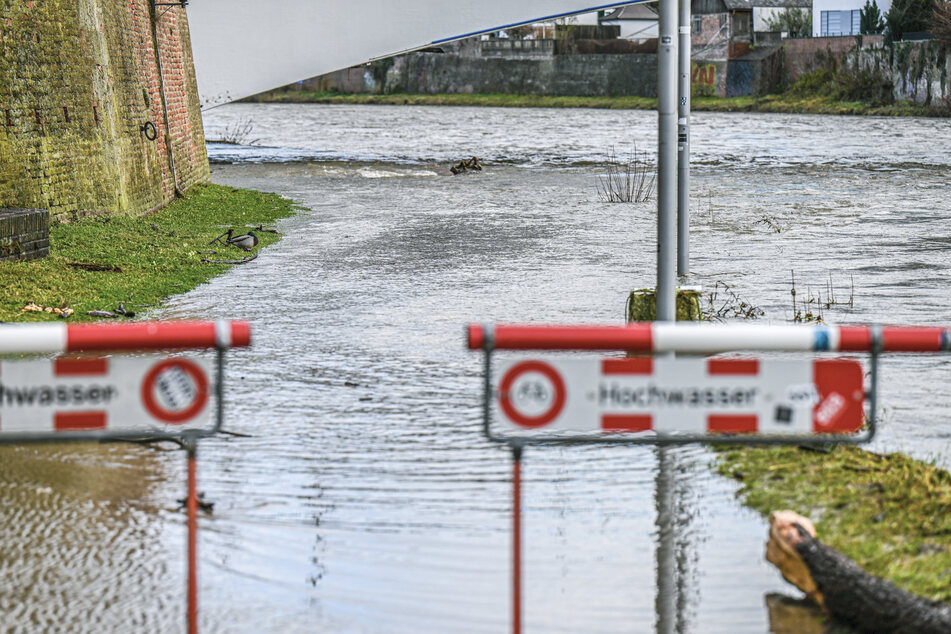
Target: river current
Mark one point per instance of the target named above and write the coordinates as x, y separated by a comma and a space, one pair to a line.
360, 494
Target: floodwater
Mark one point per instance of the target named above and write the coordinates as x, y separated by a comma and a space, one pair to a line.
360, 495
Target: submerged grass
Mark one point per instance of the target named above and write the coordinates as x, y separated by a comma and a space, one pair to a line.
891, 514
150, 258
787, 102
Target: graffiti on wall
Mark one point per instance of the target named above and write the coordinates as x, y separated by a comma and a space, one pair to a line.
703, 78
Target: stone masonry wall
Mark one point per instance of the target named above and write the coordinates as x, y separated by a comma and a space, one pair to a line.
79, 81
432, 73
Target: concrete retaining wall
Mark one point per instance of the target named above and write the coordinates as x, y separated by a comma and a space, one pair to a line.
919, 71
583, 75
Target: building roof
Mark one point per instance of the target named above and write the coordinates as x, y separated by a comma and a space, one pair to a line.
639, 11
749, 4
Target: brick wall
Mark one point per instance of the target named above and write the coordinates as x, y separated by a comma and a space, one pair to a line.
78, 81
24, 234
806, 54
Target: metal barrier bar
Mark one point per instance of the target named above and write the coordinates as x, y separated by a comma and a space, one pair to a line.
708, 338
140, 335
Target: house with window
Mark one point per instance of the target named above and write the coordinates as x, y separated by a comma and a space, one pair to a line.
638, 22
721, 29
840, 17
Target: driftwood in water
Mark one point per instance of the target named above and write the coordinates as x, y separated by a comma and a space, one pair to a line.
467, 165
843, 588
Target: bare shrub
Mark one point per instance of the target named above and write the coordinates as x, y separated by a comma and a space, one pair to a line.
629, 182
238, 133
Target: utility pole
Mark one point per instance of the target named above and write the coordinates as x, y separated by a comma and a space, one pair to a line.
667, 162
666, 292
683, 144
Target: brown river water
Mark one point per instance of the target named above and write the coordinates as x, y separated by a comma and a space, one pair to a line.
361, 495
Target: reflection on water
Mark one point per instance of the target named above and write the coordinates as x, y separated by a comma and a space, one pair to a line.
81, 529
361, 496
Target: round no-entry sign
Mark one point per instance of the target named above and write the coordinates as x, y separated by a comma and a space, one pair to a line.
175, 390
532, 394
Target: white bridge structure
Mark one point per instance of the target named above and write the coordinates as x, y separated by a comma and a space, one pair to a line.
243, 47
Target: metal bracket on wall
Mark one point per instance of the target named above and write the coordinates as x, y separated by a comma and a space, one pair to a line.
148, 128
180, 3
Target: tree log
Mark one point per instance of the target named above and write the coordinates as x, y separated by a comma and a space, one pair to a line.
868, 602
846, 591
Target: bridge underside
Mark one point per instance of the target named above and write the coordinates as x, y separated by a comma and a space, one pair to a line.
243, 47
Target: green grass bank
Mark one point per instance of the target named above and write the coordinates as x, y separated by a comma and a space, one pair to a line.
100, 262
790, 103
891, 514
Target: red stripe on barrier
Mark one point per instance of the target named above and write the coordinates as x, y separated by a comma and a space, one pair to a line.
854, 338
627, 422
732, 423
154, 335
475, 335
73, 421
76, 367
745, 367
640, 365
240, 334
634, 337
911, 339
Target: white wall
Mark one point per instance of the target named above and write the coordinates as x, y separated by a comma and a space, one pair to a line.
638, 29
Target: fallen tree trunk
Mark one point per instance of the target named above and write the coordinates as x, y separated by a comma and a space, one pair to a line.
868, 602
843, 588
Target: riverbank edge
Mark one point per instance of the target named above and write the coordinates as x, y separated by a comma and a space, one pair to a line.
106, 261
889, 513
782, 103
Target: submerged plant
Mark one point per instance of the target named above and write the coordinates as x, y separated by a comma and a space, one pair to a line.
238, 133
629, 182
803, 310
725, 303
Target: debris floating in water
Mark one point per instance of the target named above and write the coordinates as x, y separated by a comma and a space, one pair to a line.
467, 165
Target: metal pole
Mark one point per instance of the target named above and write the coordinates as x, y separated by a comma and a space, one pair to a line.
666, 294
667, 162
516, 539
683, 144
192, 506
665, 602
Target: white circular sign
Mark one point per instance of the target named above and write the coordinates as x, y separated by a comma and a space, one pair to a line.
532, 394
175, 390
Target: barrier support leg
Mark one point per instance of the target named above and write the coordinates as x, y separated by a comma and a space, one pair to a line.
516, 539
191, 504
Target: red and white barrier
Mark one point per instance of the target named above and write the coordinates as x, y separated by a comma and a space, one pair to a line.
695, 338
140, 335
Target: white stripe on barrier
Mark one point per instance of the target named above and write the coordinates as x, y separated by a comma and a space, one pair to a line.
833, 338
32, 338
223, 333
696, 338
